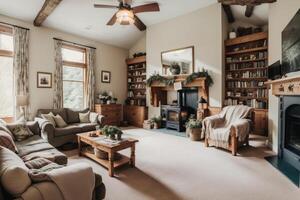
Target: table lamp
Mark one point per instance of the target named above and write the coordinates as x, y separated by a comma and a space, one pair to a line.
22, 102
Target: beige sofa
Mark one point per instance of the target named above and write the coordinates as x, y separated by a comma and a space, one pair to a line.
19, 182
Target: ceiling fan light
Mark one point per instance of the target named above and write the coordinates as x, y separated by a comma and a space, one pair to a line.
125, 17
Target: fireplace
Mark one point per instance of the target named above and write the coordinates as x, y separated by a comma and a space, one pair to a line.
289, 140
174, 117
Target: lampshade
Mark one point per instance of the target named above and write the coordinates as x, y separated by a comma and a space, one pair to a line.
202, 100
125, 17
22, 100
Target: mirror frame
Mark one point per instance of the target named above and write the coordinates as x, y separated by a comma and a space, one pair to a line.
193, 58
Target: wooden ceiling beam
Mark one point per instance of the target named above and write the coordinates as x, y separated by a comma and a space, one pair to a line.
45, 11
229, 13
245, 2
249, 10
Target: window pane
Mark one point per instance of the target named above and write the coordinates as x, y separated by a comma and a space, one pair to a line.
6, 87
73, 73
73, 95
72, 55
6, 42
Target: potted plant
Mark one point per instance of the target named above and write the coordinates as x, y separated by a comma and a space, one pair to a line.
174, 68
103, 97
156, 121
114, 100
194, 129
112, 132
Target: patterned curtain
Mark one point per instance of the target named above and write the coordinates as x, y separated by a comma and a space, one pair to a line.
21, 63
58, 81
90, 81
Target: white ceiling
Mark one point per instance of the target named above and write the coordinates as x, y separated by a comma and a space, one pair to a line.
258, 18
79, 17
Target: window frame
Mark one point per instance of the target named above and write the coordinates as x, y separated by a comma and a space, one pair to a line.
6, 30
77, 65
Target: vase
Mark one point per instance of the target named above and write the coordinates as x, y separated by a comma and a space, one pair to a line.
112, 136
119, 136
175, 69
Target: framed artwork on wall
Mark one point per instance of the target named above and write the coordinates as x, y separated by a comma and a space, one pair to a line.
44, 80
105, 76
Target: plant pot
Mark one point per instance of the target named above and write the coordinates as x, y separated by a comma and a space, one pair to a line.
119, 136
195, 134
112, 136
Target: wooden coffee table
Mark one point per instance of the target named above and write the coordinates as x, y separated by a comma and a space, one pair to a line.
110, 148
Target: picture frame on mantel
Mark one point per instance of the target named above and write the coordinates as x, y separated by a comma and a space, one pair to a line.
105, 76
44, 80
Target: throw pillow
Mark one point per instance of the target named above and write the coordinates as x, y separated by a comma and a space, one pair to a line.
59, 121
49, 117
84, 117
4, 128
7, 141
21, 132
37, 163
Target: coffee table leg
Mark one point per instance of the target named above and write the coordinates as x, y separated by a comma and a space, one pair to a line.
132, 156
79, 146
111, 163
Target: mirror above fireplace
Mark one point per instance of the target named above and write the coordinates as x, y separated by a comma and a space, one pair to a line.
178, 61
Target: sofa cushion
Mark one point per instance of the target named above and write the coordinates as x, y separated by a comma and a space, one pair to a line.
36, 147
73, 116
84, 117
86, 127
37, 163
49, 117
32, 125
59, 121
68, 130
11, 167
21, 132
62, 112
7, 141
3, 127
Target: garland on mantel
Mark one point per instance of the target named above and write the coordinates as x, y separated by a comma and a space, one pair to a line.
190, 78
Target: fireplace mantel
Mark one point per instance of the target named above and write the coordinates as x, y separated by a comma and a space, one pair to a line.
159, 90
286, 86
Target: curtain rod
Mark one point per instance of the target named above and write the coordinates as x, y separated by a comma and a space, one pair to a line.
73, 43
14, 25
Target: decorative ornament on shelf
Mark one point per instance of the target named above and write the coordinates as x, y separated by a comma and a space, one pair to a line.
174, 68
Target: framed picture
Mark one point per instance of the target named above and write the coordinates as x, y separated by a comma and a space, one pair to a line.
105, 76
44, 80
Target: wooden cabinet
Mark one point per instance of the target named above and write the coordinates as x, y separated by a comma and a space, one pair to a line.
135, 115
261, 122
112, 113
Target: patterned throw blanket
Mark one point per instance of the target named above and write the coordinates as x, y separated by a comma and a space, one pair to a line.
217, 128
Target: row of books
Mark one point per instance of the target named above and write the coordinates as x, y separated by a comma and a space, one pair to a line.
244, 84
137, 66
237, 66
251, 103
257, 74
245, 46
259, 93
252, 57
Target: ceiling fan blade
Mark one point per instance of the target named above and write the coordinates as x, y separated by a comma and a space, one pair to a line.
104, 6
113, 20
139, 24
245, 2
152, 7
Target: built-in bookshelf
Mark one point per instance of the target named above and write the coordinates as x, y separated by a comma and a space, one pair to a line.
136, 81
246, 71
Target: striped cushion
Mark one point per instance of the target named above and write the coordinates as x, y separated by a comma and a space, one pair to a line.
7, 141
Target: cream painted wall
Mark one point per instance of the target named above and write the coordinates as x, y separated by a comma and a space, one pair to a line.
280, 13
201, 29
41, 52
139, 46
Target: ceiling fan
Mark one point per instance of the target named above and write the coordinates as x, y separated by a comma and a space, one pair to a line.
126, 15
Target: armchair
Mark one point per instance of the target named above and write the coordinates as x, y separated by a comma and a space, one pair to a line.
229, 129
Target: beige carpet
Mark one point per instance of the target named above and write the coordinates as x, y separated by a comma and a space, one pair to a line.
172, 167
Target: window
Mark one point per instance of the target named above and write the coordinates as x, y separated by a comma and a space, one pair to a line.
74, 70
6, 73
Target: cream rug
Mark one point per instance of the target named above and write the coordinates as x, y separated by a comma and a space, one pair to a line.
173, 168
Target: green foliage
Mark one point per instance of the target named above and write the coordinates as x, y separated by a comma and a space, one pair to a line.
203, 73
190, 78
111, 130
193, 123
155, 119
161, 79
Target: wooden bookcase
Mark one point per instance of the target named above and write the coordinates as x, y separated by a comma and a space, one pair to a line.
136, 81
246, 72
136, 112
